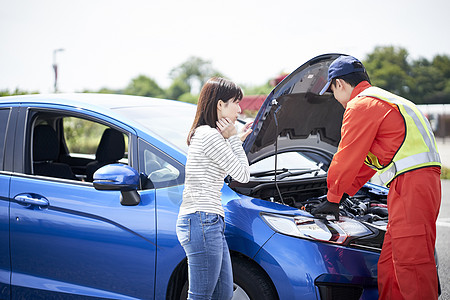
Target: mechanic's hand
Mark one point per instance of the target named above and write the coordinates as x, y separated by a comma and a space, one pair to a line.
226, 127
327, 208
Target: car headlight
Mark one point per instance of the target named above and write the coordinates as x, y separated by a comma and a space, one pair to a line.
339, 232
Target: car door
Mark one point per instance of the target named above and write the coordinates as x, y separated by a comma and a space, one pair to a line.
68, 238
6, 130
167, 175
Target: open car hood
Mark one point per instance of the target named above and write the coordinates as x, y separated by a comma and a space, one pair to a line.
305, 119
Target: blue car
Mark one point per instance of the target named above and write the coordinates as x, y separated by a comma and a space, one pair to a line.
91, 185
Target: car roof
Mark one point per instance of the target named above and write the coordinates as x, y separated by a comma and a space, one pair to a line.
92, 101
112, 105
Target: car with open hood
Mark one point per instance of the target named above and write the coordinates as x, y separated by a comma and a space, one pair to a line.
91, 185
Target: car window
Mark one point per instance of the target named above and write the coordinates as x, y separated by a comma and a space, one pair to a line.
82, 137
4, 117
292, 161
160, 169
171, 122
70, 147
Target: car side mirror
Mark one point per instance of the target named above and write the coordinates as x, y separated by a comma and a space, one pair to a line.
119, 177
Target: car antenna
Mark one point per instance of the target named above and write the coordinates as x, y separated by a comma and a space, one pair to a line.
275, 102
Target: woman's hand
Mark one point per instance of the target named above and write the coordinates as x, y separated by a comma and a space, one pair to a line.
226, 128
245, 131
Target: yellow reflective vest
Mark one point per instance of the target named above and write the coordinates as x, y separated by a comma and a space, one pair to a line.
418, 149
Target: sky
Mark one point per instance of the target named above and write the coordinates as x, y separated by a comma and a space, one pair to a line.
107, 42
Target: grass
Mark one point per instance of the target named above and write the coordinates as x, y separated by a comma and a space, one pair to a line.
445, 173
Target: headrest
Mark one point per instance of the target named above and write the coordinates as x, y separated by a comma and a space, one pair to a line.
45, 143
111, 147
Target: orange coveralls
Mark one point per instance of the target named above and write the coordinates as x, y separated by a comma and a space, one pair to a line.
406, 267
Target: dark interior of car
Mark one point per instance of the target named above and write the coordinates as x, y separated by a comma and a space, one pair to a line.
50, 155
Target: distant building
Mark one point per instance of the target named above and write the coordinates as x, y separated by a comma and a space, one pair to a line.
250, 104
439, 117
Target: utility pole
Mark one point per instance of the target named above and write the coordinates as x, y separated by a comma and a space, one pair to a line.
55, 68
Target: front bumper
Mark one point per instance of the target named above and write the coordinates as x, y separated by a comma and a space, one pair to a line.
304, 269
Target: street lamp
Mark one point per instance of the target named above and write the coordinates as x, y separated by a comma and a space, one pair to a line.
55, 67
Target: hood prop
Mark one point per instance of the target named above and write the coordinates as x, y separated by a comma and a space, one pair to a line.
275, 102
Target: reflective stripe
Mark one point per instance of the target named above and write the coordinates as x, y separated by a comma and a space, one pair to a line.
380, 94
419, 126
410, 159
387, 176
408, 162
417, 159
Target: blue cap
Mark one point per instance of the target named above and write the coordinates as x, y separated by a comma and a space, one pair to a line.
343, 65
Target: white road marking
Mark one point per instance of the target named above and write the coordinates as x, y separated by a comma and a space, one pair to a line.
443, 223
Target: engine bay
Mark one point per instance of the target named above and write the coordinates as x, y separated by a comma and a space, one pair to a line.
369, 205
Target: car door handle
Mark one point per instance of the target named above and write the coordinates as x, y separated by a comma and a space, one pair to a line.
28, 199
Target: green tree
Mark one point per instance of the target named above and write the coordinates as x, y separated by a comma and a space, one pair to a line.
442, 93
442, 63
177, 88
144, 86
17, 91
389, 69
194, 72
104, 90
420, 80
188, 97
263, 89
426, 81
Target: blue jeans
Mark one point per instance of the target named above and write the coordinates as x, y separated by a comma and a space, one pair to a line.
209, 264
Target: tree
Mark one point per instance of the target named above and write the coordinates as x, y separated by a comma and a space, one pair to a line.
426, 81
17, 91
144, 86
188, 97
104, 90
177, 88
389, 69
194, 72
442, 63
263, 89
420, 80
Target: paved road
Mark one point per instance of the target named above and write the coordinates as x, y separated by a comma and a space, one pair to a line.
443, 223
444, 150
443, 241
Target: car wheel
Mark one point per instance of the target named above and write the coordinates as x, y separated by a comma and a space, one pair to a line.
238, 292
251, 282
184, 291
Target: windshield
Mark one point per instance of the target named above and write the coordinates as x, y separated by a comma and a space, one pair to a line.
286, 162
171, 121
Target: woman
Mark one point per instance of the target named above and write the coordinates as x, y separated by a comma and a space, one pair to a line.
215, 150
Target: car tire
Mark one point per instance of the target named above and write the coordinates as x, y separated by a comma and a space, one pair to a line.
251, 282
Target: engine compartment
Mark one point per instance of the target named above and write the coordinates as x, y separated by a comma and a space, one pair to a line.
369, 205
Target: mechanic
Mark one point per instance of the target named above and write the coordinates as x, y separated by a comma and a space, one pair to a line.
382, 132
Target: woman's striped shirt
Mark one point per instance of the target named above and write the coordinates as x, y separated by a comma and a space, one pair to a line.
210, 158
